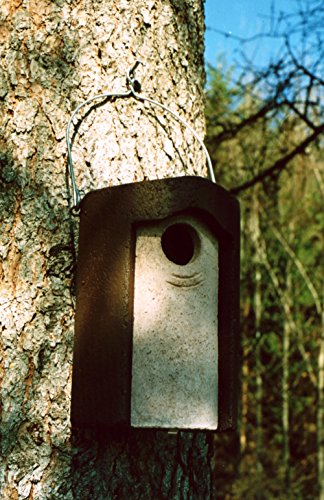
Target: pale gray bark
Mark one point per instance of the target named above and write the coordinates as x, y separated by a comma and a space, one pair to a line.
320, 413
258, 308
285, 383
54, 54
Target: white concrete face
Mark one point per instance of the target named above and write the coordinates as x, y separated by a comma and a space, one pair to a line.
175, 345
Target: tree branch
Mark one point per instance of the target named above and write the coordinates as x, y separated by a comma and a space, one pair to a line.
300, 66
299, 265
280, 164
301, 115
231, 132
261, 250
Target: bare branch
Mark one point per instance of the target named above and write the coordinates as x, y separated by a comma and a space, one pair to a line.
301, 115
280, 164
301, 67
229, 34
285, 304
299, 266
231, 132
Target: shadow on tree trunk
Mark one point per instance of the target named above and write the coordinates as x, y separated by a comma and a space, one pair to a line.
142, 464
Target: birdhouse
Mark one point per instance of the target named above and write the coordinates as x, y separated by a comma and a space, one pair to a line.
157, 311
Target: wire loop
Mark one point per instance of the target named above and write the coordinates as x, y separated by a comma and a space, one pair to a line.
134, 91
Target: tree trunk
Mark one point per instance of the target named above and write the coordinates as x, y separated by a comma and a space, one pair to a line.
320, 412
257, 299
53, 56
285, 383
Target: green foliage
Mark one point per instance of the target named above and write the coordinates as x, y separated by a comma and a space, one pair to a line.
282, 239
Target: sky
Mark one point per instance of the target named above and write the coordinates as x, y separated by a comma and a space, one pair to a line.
242, 18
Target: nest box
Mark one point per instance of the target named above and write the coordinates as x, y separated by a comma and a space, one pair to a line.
157, 311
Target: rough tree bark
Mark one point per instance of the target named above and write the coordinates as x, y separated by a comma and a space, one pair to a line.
54, 54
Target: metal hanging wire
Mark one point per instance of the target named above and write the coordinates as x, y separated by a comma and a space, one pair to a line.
134, 89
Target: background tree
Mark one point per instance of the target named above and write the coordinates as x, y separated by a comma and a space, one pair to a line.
53, 55
264, 127
287, 91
